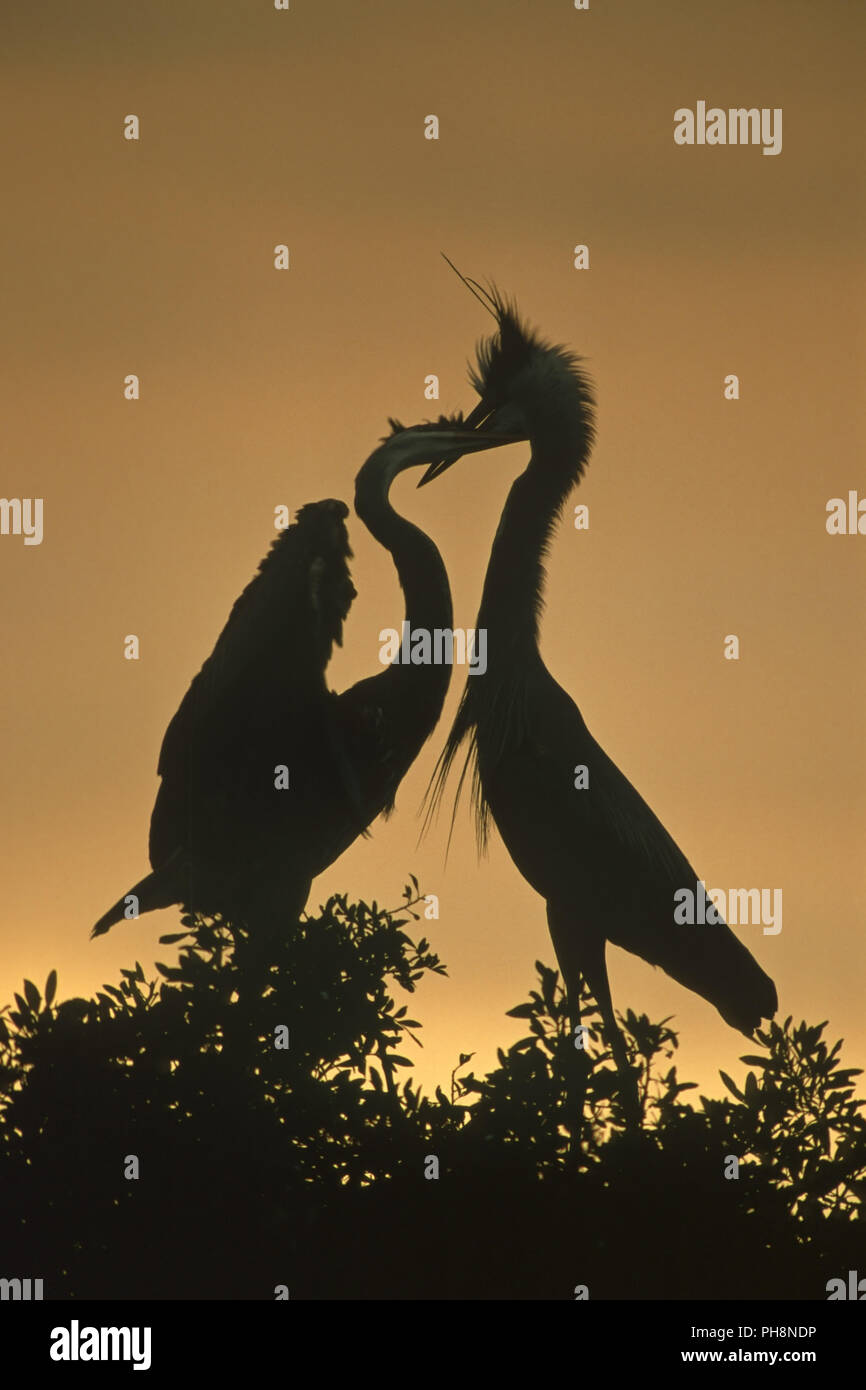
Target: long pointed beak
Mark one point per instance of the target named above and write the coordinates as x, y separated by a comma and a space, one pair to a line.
451, 445
475, 440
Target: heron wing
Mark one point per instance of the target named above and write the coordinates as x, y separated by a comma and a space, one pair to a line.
620, 809
265, 677
622, 869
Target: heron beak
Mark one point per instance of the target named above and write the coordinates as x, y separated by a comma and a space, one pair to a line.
466, 443
461, 441
474, 440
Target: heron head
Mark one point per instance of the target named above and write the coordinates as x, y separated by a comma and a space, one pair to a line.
433, 443
528, 389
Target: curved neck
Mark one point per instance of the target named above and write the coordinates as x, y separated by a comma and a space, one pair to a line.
420, 568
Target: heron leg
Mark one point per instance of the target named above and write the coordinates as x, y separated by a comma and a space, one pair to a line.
595, 971
581, 957
578, 1064
270, 911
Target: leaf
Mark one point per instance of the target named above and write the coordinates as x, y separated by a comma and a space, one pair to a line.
171, 938
521, 1011
51, 987
32, 995
731, 1086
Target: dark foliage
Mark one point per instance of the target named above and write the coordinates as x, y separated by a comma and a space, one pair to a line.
308, 1165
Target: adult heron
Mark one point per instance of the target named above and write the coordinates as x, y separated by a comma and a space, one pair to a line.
267, 775
589, 845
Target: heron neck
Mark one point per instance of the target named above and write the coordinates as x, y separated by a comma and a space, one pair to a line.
420, 569
512, 600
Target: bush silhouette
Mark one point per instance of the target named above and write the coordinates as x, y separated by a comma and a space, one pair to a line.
278, 1143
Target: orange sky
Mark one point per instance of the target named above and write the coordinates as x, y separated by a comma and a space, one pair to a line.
259, 388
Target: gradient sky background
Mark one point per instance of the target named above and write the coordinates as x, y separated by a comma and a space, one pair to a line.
258, 388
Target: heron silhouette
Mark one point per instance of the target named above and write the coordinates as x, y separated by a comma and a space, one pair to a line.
598, 855
267, 775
